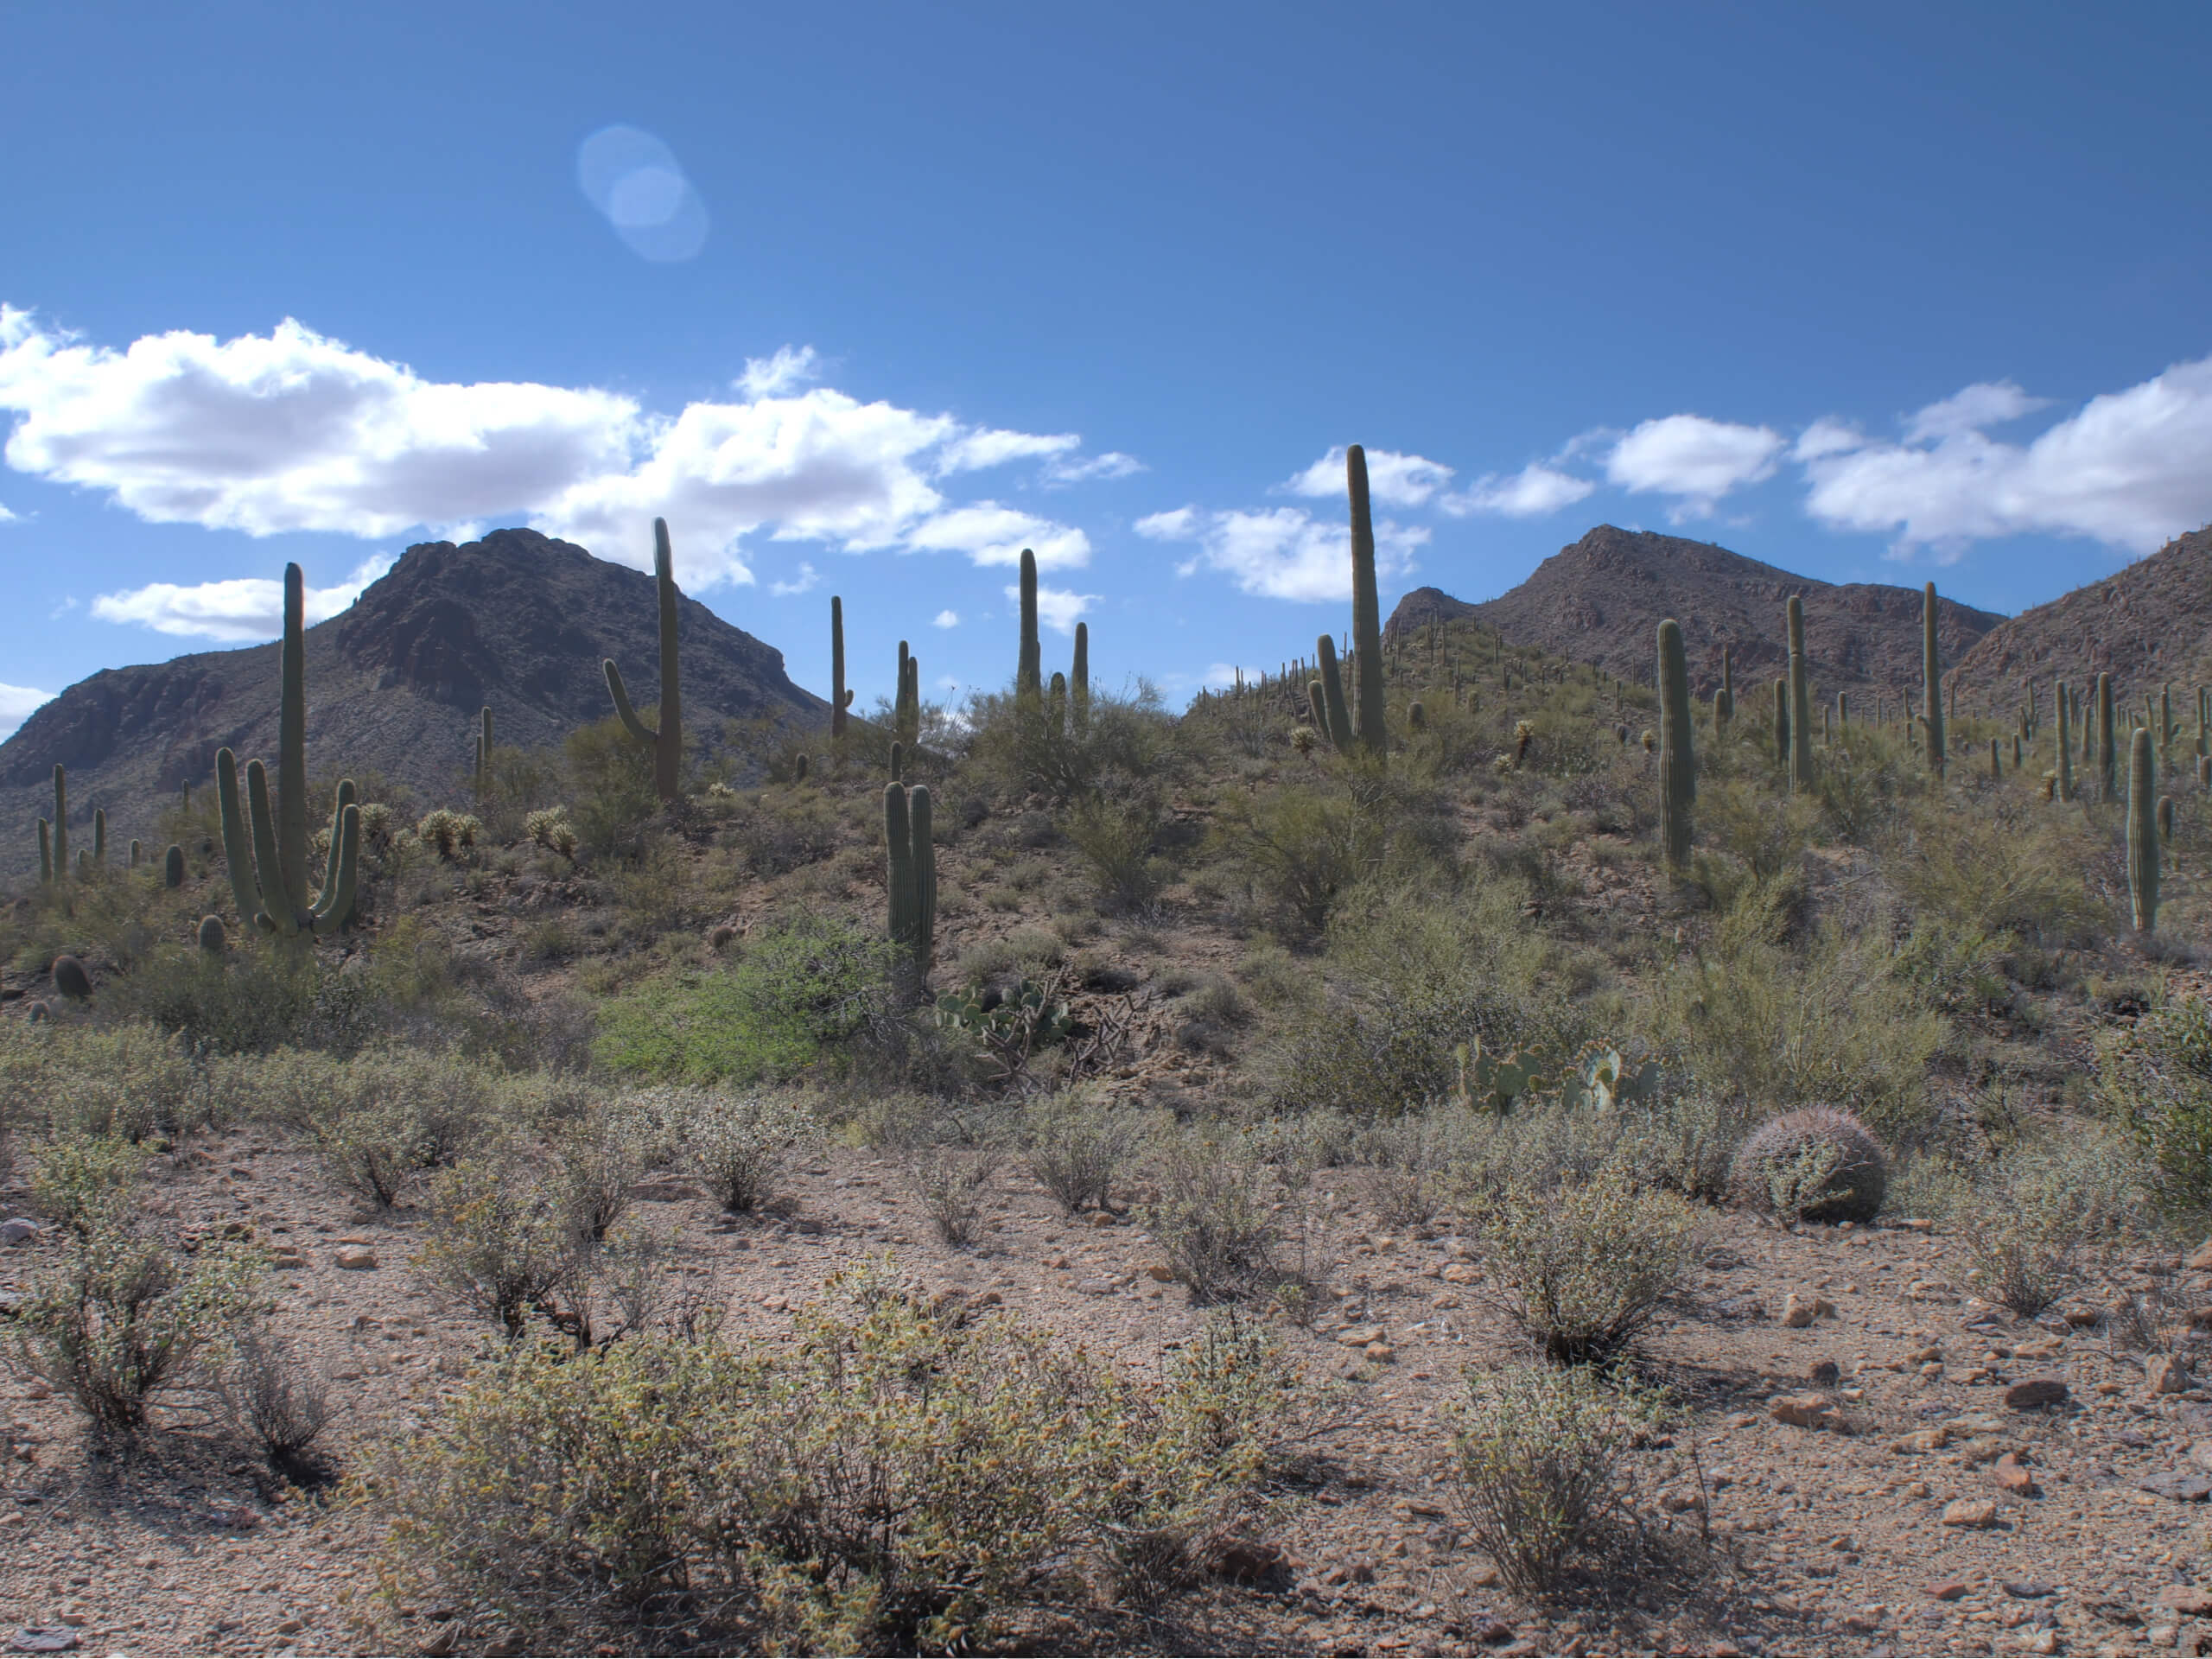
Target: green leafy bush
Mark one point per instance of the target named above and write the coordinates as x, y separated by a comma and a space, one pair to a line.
2155, 1080
85, 1182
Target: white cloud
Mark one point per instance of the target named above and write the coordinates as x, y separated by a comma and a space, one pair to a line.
6, 517
802, 583
1393, 480
991, 534
243, 608
2130, 469
16, 702
294, 431
1225, 674
792, 367
1112, 464
1695, 459
1280, 552
1534, 491
1985, 403
1057, 608
945, 619
1825, 436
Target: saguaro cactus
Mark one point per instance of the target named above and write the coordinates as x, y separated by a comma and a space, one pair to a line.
1800, 701
1724, 701
60, 825
173, 867
1079, 683
1056, 705
1333, 711
266, 851
484, 748
45, 853
1781, 725
2108, 744
2142, 833
1677, 761
911, 859
99, 835
840, 698
1029, 668
2065, 744
666, 743
1931, 673
1366, 607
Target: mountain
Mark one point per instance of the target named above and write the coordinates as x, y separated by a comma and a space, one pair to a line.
517, 621
1602, 600
2146, 625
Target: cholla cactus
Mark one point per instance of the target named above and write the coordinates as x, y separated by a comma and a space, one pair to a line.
449, 832
1814, 1164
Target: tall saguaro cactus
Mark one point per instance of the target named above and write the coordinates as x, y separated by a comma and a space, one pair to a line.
911, 860
1677, 761
1931, 673
2065, 736
840, 699
2142, 833
2108, 744
1029, 667
484, 750
1080, 683
266, 850
1800, 700
1724, 701
1366, 607
665, 744
1334, 715
53, 863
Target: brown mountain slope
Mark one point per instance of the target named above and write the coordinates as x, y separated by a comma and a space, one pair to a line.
517, 620
2146, 625
1602, 601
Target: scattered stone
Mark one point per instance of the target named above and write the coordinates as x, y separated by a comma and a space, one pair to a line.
1382, 1353
1815, 1411
2181, 1487
1460, 1272
2200, 1259
1950, 1590
1095, 1287
2167, 1375
2029, 1589
1826, 1374
18, 1229
1160, 1272
1244, 1561
2201, 1455
44, 1638
2035, 1392
1359, 1335
1975, 1512
1933, 1352
2186, 1600
1105, 1218
2014, 1477
1798, 1311
356, 1258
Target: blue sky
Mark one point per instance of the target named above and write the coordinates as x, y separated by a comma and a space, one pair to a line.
865, 298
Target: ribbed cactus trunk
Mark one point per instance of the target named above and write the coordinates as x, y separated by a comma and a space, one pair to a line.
839, 697
60, 825
1029, 668
1080, 683
1801, 702
911, 860
484, 747
1677, 760
45, 853
99, 835
2065, 744
1724, 701
2142, 833
1333, 709
1366, 607
2108, 744
1931, 674
666, 743
292, 752
1056, 706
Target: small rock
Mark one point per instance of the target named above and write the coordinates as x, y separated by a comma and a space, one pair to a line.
1243, 1560
2181, 1487
1825, 1374
2167, 1375
1359, 1335
2036, 1391
1798, 1311
1160, 1271
44, 1638
1807, 1411
1460, 1272
2200, 1259
2014, 1477
1382, 1353
2201, 1455
2186, 1600
356, 1258
2029, 1589
1971, 1512
290, 1626
1922, 1440
1096, 1286
1105, 1218
1948, 1590
18, 1229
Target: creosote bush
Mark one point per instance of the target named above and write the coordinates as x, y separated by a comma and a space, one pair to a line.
1076, 1144
2154, 1080
501, 1243
893, 1480
738, 1144
1583, 1267
2037, 1225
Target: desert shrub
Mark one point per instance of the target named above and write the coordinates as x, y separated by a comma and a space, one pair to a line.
1814, 1163
126, 1319
738, 1144
954, 1181
500, 1243
1114, 834
800, 993
1412, 1161
549, 826
594, 1162
2155, 1081
83, 1182
127, 1080
613, 802
1076, 1144
271, 1394
810, 1496
2037, 1222
381, 1118
1582, 1268
778, 832
1219, 1221
1536, 1465
1304, 844
2008, 873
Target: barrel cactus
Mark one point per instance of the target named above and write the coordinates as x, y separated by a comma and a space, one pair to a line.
71, 979
213, 938
173, 867
1815, 1164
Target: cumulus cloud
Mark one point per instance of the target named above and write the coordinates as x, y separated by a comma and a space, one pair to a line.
6, 517
16, 702
1282, 552
1056, 608
1695, 459
1226, 673
945, 619
991, 534
242, 609
802, 583
1112, 464
294, 431
2128, 469
1534, 491
1393, 480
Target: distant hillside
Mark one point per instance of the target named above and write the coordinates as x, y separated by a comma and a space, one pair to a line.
517, 620
2147, 624
1602, 600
